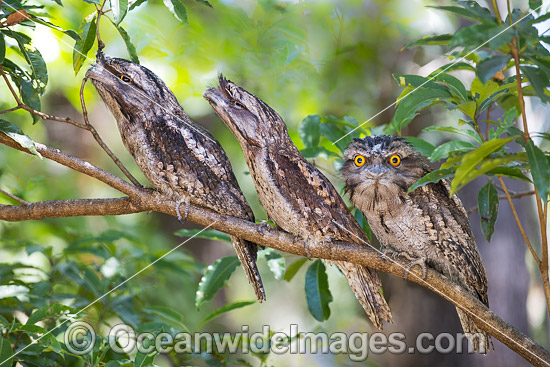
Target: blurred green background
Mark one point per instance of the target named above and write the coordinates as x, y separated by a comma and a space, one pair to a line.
301, 57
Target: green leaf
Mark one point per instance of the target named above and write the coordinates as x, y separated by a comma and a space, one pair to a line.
2, 48
6, 352
512, 172
276, 264
434, 176
214, 278
16, 134
229, 307
145, 360
416, 81
440, 39
317, 152
82, 47
424, 147
473, 36
487, 201
336, 132
538, 79
49, 311
172, 317
456, 87
204, 2
136, 4
120, 8
129, 45
464, 132
471, 161
468, 108
178, 9
410, 105
317, 291
444, 150
210, 234
69, 32
293, 269
469, 9
310, 130
540, 169
535, 4
488, 67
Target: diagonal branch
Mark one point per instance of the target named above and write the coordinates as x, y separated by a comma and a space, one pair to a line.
270, 237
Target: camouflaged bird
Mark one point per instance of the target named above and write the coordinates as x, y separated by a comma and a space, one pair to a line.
295, 194
427, 225
180, 158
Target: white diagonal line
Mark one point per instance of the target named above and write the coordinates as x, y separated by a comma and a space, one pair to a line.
443, 70
431, 287
136, 89
110, 291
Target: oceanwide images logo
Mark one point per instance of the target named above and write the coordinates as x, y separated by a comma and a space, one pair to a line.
80, 339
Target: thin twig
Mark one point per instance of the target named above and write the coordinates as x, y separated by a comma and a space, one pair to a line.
14, 197
100, 44
100, 141
497, 13
504, 197
21, 105
516, 217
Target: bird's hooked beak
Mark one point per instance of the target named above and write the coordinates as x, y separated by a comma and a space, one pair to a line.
376, 171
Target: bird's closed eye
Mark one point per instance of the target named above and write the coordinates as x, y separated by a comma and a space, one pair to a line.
238, 104
125, 78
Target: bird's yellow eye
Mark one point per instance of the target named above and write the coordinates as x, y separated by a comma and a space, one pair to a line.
359, 160
395, 160
125, 78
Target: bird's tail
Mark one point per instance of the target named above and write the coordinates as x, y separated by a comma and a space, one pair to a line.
247, 254
367, 286
481, 341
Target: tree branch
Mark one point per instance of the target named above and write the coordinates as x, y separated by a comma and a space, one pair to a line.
279, 240
141, 199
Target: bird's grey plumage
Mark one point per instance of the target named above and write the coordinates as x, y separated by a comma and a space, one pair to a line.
426, 224
295, 194
180, 158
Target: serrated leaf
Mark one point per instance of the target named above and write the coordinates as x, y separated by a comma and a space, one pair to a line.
276, 264
120, 8
472, 159
317, 152
487, 201
293, 269
82, 47
6, 352
210, 234
425, 148
434, 176
440, 39
129, 45
487, 68
177, 8
16, 134
410, 105
444, 150
310, 130
214, 278
229, 307
317, 291
540, 169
